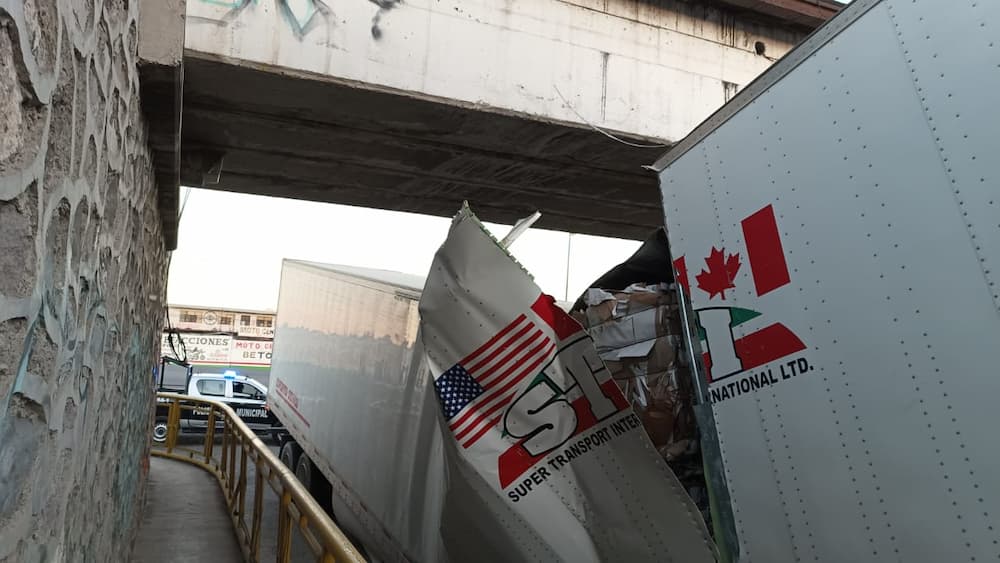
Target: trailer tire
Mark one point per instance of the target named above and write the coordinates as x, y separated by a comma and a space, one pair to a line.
314, 482
289, 455
160, 431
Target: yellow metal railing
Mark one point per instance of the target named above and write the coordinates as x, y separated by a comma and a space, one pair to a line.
297, 510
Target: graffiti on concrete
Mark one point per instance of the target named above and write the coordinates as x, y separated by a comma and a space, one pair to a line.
234, 4
383, 6
302, 16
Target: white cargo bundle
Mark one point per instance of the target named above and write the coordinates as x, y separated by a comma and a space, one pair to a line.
837, 226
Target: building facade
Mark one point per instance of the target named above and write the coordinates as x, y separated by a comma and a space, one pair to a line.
219, 340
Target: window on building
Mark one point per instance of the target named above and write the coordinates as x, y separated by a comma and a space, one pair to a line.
247, 391
225, 320
245, 320
261, 321
189, 317
212, 387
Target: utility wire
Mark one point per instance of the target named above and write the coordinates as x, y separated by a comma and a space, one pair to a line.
174, 338
602, 131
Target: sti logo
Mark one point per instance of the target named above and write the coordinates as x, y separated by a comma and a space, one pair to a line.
568, 390
726, 354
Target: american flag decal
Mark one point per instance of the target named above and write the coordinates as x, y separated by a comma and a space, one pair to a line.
475, 391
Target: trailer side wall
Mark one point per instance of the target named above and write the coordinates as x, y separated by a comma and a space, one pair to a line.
347, 390
840, 236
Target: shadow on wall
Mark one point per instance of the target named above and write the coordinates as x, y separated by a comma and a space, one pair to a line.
82, 266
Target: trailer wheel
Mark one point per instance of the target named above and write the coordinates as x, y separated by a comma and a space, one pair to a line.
314, 482
289, 455
160, 431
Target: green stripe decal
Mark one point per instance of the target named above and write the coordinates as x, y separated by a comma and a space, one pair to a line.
737, 317
740, 316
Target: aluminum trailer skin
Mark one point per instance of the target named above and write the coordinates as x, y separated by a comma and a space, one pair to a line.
837, 225
352, 394
354, 391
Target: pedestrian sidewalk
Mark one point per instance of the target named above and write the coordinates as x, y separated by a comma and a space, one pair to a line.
185, 519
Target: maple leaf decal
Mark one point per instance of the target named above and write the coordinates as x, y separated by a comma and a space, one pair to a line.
720, 274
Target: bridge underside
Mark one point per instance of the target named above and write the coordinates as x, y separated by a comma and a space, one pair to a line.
307, 137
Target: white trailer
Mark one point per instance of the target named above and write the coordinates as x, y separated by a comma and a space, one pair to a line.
350, 385
352, 394
837, 226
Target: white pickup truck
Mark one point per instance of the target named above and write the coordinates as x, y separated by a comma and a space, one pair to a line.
246, 396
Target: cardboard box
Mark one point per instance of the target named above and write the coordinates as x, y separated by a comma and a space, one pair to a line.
662, 355
625, 331
602, 313
659, 424
638, 335
668, 320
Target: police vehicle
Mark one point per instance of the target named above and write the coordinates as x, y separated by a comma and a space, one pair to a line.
246, 396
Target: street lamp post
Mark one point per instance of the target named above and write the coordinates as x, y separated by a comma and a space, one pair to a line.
569, 246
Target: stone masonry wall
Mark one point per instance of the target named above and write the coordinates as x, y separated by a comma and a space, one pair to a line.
82, 270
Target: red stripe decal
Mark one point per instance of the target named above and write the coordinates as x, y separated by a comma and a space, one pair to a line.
766, 345
758, 348
472, 410
535, 338
489, 412
500, 349
466, 360
484, 430
563, 324
680, 265
767, 257
291, 407
516, 460
530, 370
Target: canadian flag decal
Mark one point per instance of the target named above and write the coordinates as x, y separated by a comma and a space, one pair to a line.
724, 353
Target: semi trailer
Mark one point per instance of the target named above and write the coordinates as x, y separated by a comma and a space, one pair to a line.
833, 242
836, 229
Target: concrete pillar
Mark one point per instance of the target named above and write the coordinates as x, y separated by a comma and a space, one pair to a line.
82, 270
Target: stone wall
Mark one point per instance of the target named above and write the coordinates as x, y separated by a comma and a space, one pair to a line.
82, 270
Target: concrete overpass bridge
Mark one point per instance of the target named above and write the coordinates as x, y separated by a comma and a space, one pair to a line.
514, 105
107, 106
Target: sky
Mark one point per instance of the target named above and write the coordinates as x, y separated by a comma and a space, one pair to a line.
230, 247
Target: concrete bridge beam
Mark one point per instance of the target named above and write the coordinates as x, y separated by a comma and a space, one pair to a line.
552, 105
